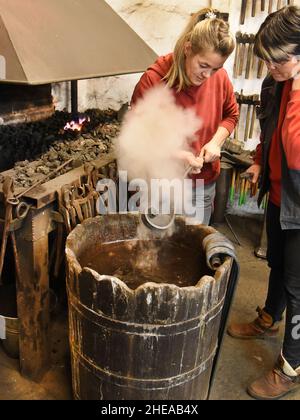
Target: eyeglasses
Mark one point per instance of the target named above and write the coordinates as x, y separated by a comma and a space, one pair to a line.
272, 65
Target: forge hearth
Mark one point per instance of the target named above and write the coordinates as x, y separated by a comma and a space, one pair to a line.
31, 264
30, 151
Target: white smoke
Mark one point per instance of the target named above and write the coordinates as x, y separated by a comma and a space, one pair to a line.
153, 131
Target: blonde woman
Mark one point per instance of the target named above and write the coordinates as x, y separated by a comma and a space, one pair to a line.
194, 72
278, 164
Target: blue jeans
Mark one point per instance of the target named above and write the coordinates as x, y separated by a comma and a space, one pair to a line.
206, 203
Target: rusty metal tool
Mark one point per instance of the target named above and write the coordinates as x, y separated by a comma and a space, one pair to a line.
244, 41
270, 10
248, 101
246, 175
254, 63
90, 188
256, 102
263, 5
22, 210
253, 12
250, 55
66, 210
9, 200
232, 230
44, 179
243, 11
237, 127
238, 38
260, 68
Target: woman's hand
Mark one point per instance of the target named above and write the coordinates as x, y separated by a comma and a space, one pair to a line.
255, 171
190, 159
210, 152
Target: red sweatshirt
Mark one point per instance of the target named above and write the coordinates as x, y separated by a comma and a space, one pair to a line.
281, 136
214, 102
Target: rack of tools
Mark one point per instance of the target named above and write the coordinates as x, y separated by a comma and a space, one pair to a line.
246, 63
251, 102
271, 7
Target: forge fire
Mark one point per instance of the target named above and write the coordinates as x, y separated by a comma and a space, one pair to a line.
34, 150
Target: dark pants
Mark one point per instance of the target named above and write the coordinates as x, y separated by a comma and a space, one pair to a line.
284, 282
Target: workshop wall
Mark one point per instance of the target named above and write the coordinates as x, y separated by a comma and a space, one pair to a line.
159, 23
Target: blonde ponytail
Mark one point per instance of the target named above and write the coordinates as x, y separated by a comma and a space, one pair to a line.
206, 31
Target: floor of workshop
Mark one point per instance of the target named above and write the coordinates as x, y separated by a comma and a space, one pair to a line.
240, 363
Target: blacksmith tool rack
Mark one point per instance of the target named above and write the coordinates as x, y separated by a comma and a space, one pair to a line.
252, 103
28, 217
272, 7
245, 62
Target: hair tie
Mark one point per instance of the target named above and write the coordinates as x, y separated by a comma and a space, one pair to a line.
210, 15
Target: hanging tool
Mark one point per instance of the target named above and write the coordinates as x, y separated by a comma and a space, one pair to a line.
260, 68
263, 5
279, 4
232, 188
242, 192
256, 102
243, 11
270, 10
243, 49
246, 175
238, 38
9, 202
253, 12
248, 101
240, 103
250, 55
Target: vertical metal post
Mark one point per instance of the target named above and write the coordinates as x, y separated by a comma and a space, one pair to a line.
74, 99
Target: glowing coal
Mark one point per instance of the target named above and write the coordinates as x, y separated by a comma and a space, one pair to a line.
76, 125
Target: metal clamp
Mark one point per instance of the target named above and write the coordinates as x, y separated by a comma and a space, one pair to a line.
22, 210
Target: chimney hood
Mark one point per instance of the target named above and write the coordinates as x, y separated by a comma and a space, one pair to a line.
45, 41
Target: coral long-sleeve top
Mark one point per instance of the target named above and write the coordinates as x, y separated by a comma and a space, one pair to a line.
214, 102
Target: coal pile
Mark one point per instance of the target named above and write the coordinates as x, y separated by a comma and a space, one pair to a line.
36, 149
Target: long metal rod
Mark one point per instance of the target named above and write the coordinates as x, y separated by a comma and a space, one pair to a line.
232, 231
74, 99
37, 184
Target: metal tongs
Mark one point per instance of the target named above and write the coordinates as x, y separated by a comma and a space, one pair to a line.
162, 221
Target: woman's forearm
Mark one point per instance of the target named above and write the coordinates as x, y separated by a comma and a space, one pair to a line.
220, 137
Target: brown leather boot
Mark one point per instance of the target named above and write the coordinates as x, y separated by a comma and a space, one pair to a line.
277, 383
261, 328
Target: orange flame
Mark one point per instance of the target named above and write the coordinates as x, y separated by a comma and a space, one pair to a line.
73, 125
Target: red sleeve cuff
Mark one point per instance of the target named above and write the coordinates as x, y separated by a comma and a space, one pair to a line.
230, 126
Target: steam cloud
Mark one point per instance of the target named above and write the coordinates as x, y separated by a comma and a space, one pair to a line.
152, 132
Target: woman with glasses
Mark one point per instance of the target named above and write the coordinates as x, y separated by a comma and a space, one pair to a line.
277, 164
